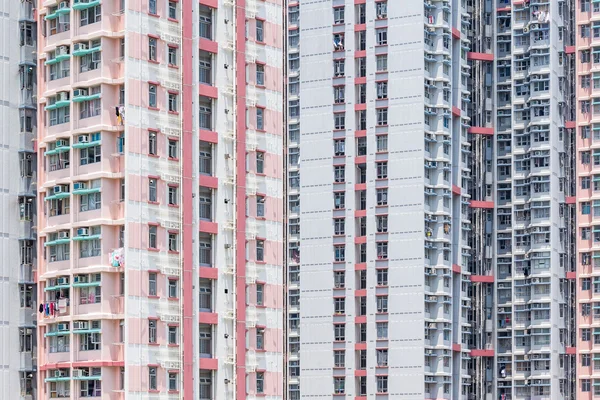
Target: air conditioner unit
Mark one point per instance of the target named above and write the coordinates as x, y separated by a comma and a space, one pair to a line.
63, 327
83, 138
62, 143
80, 92
63, 96
80, 46
535, 280
77, 373
80, 279
79, 185
79, 325
432, 325
59, 373
227, 246
62, 281
58, 189
63, 4
501, 310
60, 50
83, 232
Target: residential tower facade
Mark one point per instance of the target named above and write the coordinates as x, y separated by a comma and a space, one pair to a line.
160, 182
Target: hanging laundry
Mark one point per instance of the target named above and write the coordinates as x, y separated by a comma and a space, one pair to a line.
52, 309
119, 118
41, 308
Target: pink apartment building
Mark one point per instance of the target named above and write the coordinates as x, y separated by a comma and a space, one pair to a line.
160, 194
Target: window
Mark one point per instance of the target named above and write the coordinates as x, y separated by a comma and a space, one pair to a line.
90, 62
339, 94
339, 358
382, 116
173, 99
260, 250
586, 360
382, 358
58, 116
339, 253
339, 385
90, 295
152, 231
382, 223
382, 381
339, 67
152, 284
173, 241
173, 15
173, 292
152, 384
152, 190
90, 155
90, 16
382, 143
260, 162
172, 335
382, 170
381, 9
152, 331
586, 284
339, 279
59, 70
382, 277
339, 147
173, 382
152, 46
339, 332
206, 23
89, 341
260, 339
152, 96
585, 385
586, 334
381, 36
260, 294
382, 330
339, 226
338, 15
382, 250
205, 64
339, 305
339, 172
339, 121
260, 30
260, 122
172, 55
382, 90
339, 200
90, 202
260, 74
172, 195
26, 29
260, 206
382, 61
260, 382
382, 304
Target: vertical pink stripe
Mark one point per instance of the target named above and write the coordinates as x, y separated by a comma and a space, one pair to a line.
240, 274
187, 193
